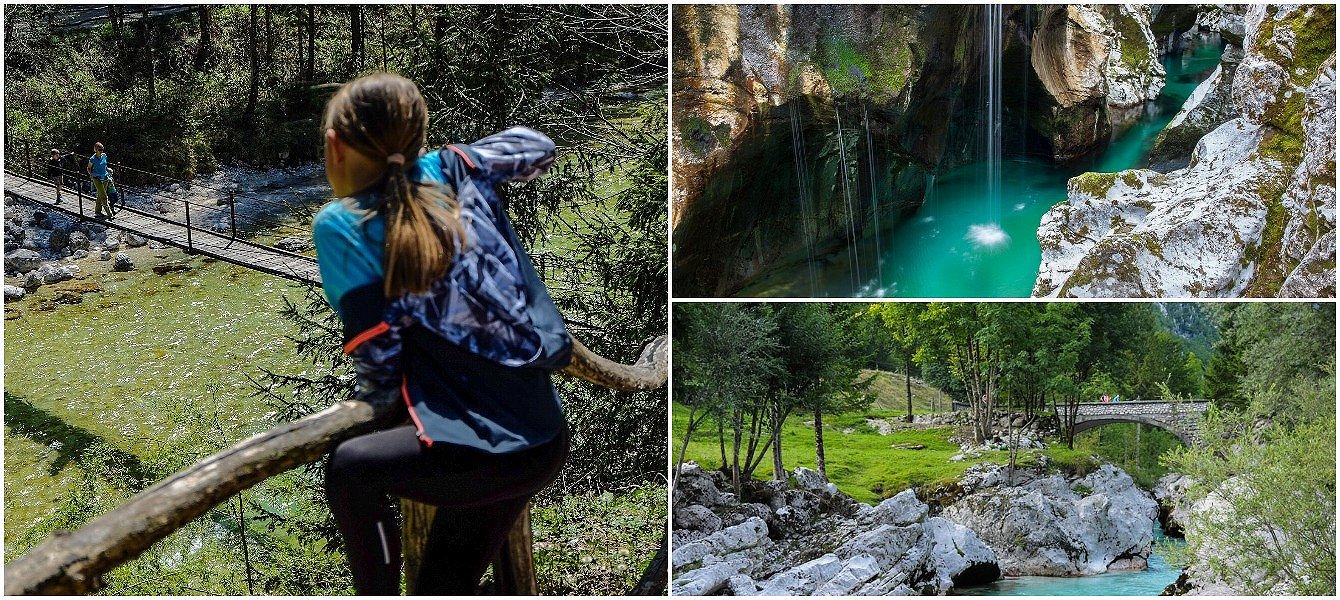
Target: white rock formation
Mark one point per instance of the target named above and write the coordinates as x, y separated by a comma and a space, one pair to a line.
1252, 214
1134, 73
1055, 527
847, 549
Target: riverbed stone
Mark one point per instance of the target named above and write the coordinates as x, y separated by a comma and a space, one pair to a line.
697, 517
294, 244
123, 262
22, 260
52, 273
32, 280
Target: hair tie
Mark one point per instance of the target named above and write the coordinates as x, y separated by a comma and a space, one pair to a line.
395, 159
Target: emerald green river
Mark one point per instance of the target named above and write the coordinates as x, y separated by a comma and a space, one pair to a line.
952, 248
1148, 582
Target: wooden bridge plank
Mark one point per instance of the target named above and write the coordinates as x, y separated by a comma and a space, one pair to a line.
168, 231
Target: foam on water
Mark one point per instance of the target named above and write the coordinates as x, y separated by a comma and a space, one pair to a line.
987, 236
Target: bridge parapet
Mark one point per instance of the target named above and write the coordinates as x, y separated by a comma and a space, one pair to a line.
1164, 407
1179, 417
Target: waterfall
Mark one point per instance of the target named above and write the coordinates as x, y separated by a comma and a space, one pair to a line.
994, 31
803, 198
990, 234
874, 200
852, 254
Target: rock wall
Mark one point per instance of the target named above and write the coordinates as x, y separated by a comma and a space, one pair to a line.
776, 106
1252, 214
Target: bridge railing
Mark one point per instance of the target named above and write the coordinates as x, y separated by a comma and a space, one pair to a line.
77, 180
261, 255
73, 563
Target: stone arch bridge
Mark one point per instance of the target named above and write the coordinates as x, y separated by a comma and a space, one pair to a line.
1181, 417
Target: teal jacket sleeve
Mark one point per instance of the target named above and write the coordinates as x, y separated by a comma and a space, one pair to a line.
348, 251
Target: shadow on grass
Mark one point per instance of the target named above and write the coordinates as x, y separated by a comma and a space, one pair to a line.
93, 453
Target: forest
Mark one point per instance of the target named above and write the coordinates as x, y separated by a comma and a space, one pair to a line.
752, 381
181, 92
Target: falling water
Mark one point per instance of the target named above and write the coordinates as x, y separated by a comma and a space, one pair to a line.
874, 200
852, 254
803, 198
990, 234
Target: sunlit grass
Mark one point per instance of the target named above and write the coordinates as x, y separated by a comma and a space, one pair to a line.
861, 462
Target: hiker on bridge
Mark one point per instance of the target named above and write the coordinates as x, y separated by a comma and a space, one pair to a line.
97, 170
445, 319
56, 170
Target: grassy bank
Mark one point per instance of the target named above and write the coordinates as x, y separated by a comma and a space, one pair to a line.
147, 372
890, 390
861, 462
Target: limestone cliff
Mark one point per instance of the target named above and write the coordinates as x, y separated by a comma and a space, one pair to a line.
1253, 213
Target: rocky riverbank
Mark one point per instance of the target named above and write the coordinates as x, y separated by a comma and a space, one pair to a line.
803, 536
1252, 213
1203, 520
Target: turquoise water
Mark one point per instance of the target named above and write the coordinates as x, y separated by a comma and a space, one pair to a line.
1148, 582
952, 247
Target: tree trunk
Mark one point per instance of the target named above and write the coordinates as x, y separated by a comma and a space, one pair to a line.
721, 440
907, 368
147, 43
778, 471
735, 454
269, 37
309, 69
1137, 446
206, 47
250, 113
819, 441
356, 36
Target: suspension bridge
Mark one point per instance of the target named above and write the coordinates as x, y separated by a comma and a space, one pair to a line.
155, 218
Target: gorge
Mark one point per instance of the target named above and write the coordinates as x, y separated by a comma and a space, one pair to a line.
945, 151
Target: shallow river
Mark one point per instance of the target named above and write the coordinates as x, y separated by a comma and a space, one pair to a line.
1148, 582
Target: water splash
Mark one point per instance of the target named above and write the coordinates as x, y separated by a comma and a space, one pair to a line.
988, 236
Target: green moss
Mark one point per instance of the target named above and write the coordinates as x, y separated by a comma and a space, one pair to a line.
1093, 184
1134, 51
1313, 28
1152, 245
701, 137
1130, 179
1270, 271
879, 73
1283, 146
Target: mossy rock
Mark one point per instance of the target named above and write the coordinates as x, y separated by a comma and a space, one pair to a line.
1094, 184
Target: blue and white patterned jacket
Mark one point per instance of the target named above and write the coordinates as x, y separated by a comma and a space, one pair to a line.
471, 357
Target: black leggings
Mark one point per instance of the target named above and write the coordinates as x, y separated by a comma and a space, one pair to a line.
479, 497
